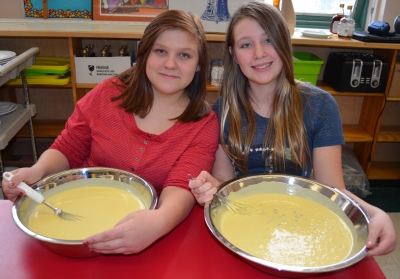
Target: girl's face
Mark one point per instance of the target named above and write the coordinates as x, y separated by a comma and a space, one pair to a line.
172, 62
254, 54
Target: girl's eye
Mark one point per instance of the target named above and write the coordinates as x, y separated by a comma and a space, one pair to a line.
160, 51
245, 45
267, 41
185, 55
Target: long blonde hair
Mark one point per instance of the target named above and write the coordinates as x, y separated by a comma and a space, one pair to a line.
286, 124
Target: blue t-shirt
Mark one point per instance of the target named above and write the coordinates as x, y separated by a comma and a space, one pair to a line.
323, 126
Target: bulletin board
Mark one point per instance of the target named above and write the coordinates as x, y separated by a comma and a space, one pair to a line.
59, 8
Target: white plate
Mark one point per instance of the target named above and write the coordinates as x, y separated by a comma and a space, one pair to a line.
4, 54
2, 62
7, 59
7, 107
316, 33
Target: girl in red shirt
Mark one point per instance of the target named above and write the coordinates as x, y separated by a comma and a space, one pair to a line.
152, 120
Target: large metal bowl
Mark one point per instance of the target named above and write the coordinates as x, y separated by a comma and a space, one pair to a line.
325, 195
79, 178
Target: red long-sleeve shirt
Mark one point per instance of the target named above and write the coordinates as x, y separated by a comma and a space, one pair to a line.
99, 133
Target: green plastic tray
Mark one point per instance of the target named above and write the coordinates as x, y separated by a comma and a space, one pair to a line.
44, 80
48, 65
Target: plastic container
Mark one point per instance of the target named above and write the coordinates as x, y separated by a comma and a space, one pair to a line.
48, 65
46, 71
354, 176
44, 80
307, 66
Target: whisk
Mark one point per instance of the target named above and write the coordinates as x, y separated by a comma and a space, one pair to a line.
238, 207
234, 206
37, 197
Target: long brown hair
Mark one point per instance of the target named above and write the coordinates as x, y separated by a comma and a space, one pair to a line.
286, 124
137, 94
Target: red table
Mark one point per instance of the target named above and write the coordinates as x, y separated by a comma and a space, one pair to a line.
190, 251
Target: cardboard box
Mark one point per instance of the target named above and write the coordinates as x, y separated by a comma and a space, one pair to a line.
395, 86
97, 69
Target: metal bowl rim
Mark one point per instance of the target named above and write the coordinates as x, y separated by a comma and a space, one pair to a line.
280, 267
68, 172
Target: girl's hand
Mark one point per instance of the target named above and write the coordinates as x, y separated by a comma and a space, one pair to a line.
51, 161
382, 236
204, 187
134, 233
140, 229
26, 175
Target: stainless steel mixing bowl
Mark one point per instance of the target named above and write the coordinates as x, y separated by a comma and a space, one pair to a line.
325, 195
79, 178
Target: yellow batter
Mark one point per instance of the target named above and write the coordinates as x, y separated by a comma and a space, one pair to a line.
102, 208
292, 231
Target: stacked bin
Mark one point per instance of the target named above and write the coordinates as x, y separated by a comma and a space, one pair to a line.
307, 66
47, 71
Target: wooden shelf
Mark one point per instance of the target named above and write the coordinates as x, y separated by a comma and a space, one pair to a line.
320, 84
43, 129
393, 99
330, 89
85, 85
119, 30
389, 133
52, 128
385, 170
210, 88
69, 85
354, 133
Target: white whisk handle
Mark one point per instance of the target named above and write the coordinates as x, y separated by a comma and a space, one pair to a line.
28, 190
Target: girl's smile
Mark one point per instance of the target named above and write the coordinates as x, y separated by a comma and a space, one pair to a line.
263, 66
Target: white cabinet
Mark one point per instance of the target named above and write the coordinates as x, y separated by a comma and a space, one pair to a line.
12, 122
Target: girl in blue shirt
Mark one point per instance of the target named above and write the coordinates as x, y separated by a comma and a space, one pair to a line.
272, 123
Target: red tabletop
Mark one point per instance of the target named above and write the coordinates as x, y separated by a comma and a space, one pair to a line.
189, 251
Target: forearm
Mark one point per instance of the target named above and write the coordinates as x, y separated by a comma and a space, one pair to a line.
51, 161
372, 210
174, 205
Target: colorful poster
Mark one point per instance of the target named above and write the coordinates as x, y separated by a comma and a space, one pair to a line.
59, 8
128, 10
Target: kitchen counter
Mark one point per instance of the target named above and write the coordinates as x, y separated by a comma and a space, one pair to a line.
189, 251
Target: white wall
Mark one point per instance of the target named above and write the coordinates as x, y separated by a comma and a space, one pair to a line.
11, 9
385, 10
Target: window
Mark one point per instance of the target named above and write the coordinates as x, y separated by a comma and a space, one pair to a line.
320, 7
318, 13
